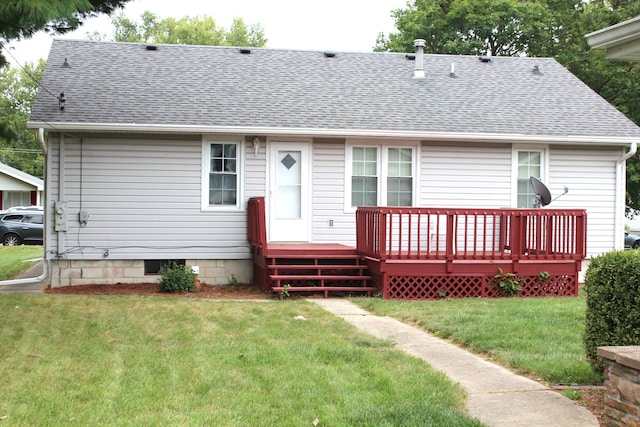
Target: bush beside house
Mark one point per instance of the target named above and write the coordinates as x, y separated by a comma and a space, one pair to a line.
612, 283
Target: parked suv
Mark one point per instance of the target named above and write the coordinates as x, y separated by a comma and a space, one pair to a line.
21, 227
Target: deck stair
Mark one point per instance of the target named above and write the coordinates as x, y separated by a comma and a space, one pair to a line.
317, 268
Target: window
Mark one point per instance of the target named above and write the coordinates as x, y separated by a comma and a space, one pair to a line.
530, 162
157, 266
221, 174
399, 179
364, 178
33, 219
380, 176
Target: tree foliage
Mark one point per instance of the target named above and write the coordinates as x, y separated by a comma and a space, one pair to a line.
22, 18
200, 30
549, 28
19, 146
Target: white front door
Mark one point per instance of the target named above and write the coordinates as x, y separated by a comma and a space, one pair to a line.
289, 192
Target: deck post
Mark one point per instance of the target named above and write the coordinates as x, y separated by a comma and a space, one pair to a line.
449, 241
382, 235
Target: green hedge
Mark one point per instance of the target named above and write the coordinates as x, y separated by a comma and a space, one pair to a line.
177, 278
612, 284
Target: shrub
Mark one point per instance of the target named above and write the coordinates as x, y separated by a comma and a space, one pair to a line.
507, 284
612, 284
177, 278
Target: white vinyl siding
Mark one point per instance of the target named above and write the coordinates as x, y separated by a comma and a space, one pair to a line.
144, 201
330, 223
255, 171
144, 195
589, 174
465, 175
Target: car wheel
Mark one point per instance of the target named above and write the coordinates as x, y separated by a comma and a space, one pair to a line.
636, 244
11, 240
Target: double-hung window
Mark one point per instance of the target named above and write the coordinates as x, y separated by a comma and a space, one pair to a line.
221, 180
379, 175
399, 177
528, 163
364, 177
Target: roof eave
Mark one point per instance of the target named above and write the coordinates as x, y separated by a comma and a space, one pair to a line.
615, 36
23, 177
309, 132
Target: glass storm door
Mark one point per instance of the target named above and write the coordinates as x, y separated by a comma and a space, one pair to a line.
289, 208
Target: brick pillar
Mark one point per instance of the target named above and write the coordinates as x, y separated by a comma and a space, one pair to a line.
622, 383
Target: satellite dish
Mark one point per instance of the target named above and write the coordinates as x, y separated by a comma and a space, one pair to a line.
543, 195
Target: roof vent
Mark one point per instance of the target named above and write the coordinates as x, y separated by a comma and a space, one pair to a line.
329, 54
66, 64
536, 70
245, 51
151, 47
485, 58
410, 57
419, 44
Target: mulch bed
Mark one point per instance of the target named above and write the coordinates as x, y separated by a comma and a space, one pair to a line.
241, 291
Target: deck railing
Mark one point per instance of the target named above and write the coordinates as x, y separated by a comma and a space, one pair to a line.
471, 234
256, 227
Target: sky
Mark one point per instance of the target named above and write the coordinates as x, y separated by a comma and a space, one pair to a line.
337, 25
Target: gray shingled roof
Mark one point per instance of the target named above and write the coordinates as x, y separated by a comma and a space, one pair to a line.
124, 83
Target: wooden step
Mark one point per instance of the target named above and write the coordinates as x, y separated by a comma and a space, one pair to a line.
322, 277
325, 289
311, 256
318, 267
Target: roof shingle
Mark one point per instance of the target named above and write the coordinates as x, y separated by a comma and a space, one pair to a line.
124, 83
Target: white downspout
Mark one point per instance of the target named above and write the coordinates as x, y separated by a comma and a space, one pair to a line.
61, 183
45, 263
620, 204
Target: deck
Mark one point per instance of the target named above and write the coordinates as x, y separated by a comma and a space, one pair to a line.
430, 253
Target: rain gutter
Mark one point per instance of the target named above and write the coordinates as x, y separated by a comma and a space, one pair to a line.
621, 194
317, 132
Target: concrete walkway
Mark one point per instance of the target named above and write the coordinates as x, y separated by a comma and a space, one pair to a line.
495, 395
26, 288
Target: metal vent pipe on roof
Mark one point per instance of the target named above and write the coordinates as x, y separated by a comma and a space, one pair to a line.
418, 73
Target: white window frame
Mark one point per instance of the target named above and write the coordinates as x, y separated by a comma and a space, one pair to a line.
382, 170
544, 166
206, 164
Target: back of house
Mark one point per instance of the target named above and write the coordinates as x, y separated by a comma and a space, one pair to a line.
154, 150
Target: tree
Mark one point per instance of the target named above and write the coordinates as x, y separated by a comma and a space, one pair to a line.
549, 28
187, 30
19, 146
21, 18
465, 27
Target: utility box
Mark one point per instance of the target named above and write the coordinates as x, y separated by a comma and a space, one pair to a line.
60, 216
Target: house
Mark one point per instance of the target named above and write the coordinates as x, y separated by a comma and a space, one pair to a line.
153, 151
18, 188
621, 42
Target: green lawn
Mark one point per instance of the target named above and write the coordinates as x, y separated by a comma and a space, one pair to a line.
135, 361
17, 259
539, 337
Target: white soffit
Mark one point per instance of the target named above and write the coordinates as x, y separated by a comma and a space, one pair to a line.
621, 41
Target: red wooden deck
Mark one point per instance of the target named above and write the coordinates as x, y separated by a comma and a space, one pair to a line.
420, 253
